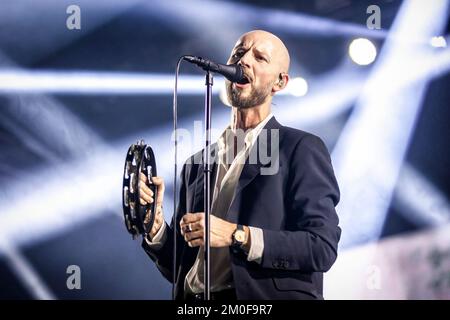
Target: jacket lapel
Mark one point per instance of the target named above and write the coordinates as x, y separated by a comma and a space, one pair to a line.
253, 166
254, 163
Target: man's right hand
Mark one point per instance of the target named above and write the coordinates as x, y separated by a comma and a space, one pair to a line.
146, 196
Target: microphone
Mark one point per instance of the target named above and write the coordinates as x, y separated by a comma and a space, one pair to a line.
232, 72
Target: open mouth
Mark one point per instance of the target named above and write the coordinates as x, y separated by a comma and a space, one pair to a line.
245, 80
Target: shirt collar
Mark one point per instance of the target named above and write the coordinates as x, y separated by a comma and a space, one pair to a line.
250, 135
253, 133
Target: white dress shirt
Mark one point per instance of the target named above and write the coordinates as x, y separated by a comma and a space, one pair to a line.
228, 173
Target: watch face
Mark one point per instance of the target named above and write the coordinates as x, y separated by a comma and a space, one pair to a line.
240, 235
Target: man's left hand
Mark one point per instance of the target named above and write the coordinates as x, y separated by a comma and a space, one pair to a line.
193, 228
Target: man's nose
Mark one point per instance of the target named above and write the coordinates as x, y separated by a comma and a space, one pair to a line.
245, 60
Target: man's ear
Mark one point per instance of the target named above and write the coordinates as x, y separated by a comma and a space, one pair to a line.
282, 82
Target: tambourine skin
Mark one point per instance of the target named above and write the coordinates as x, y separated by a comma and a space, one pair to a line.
139, 159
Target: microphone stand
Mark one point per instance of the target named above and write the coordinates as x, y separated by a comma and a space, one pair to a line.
207, 181
233, 73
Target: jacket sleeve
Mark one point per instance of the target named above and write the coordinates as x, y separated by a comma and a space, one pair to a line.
162, 254
309, 243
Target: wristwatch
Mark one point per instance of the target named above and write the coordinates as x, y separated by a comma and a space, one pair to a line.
238, 237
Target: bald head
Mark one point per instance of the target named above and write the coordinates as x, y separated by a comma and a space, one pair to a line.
265, 62
279, 52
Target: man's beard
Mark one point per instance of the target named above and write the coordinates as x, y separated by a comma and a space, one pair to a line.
255, 98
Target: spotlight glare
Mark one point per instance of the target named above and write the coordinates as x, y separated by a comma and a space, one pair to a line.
362, 51
223, 96
297, 87
438, 42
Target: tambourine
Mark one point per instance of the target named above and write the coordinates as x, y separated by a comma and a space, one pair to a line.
140, 158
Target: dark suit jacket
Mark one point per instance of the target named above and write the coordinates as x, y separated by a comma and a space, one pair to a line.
295, 208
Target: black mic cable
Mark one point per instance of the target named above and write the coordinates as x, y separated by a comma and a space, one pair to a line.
174, 218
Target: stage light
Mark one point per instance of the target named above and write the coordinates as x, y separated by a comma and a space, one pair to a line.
298, 87
14, 80
438, 42
419, 200
328, 96
25, 271
371, 148
362, 51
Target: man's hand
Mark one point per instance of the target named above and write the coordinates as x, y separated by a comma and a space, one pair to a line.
146, 196
193, 227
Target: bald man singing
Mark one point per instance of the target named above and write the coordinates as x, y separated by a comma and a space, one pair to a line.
274, 228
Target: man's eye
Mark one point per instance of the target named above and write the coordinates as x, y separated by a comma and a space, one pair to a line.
259, 58
238, 54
